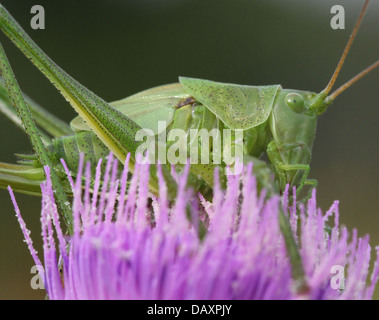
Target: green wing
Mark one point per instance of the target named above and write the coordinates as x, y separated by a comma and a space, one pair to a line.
146, 108
238, 106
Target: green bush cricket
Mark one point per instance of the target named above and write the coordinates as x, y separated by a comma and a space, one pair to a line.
263, 130
276, 121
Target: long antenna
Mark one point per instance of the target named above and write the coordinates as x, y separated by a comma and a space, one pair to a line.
346, 51
353, 80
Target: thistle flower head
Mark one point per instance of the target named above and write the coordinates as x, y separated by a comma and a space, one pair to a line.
125, 246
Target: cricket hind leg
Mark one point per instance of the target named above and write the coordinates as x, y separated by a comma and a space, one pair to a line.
23, 111
115, 130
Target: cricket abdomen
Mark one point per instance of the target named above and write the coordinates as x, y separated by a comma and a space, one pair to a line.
256, 140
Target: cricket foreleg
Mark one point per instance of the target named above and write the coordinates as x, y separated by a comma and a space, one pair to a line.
282, 168
264, 178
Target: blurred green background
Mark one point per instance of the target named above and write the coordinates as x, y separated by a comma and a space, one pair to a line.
119, 47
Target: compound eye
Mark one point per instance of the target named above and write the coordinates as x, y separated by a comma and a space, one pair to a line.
295, 101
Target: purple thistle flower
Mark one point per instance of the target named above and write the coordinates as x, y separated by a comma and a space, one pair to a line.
122, 248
